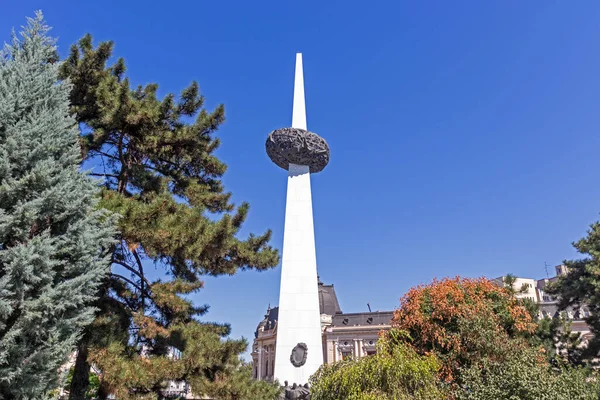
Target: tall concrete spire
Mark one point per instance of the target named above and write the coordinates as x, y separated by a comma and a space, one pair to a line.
299, 347
299, 107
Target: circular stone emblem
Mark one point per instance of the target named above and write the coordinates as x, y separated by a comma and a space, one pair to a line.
298, 357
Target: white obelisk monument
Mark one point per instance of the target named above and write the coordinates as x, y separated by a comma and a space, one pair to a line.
299, 348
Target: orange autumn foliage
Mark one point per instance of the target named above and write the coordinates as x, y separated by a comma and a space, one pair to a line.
462, 320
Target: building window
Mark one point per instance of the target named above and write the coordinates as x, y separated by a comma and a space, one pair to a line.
346, 354
371, 352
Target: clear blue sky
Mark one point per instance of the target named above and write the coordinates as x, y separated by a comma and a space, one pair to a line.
464, 134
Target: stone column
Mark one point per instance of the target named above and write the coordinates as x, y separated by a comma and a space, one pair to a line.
338, 353
272, 357
267, 362
260, 361
335, 351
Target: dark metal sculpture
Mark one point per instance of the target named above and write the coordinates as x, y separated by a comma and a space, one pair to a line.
299, 353
295, 392
287, 146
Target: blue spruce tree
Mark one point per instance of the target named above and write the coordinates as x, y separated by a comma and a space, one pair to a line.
53, 238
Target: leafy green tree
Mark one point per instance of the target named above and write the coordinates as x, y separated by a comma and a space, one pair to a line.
52, 234
463, 320
395, 372
545, 336
547, 330
554, 334
156, 157
570, 348
561, 345
525, 375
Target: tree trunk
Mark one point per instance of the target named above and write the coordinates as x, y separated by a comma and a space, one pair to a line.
102, 392
81, 373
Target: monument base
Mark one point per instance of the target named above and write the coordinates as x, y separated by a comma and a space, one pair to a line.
296, 392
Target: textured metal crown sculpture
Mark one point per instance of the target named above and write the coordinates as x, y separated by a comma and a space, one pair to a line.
287, 146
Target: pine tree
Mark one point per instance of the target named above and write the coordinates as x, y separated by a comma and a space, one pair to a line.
161, 175
52, 234
581, 287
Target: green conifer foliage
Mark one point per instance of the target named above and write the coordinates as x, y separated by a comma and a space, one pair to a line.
581, 287
161, 175
52, 234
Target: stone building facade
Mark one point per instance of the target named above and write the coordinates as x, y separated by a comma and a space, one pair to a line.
344, 334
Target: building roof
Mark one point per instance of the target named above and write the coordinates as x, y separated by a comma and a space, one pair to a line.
365, 318
328, 302
269, 321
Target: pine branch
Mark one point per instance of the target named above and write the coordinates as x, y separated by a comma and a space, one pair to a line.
141, 267
132, 270
132, 283
105, 155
